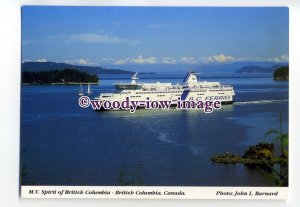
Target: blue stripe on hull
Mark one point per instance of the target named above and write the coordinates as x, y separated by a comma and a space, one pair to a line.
184, 94
186, 77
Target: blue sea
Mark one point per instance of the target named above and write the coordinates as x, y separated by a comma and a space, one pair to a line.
63, 144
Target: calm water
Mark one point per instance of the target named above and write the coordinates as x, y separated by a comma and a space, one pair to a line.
63, 144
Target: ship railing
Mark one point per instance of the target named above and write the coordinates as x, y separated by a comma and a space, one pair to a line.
125, 83
106, 94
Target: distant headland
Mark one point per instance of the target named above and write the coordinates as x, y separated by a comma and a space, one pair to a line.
279, 72
258, 69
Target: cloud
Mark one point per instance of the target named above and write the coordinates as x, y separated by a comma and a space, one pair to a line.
107, 60
98, 38
94, 38
282, 58
141, 60
138, 60
26, 60
169, 61
121, 61
42, 60
189, 60
81, 61
250, 59
220, 58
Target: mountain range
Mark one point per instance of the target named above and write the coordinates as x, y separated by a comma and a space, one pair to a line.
236, 67
243, 67
210, 68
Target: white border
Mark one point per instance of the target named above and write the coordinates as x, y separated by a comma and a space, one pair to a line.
10, 98
135, 192
157, 2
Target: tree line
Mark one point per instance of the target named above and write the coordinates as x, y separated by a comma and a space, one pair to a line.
281, 73
58, 76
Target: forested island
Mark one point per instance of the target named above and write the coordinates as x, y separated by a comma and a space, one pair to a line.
281, 73
47, 66
65, 77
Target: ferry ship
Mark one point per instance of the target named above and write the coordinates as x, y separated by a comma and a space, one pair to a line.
190, 89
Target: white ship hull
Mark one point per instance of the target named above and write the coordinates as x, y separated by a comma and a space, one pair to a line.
190, 90
224, 95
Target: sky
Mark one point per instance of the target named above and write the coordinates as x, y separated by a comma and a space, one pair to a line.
121, 36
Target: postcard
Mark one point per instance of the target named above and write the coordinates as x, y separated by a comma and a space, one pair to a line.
154, 102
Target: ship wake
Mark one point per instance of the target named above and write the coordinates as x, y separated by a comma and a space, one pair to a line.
260, 102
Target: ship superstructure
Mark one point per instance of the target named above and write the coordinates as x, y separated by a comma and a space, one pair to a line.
190, 89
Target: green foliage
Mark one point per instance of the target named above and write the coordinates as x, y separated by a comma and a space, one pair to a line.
281, 73
280, 176
260, 151
278, 135
57, 76
262, 158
